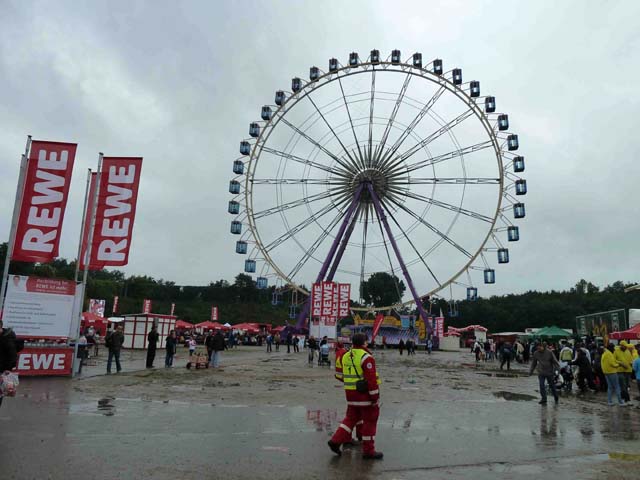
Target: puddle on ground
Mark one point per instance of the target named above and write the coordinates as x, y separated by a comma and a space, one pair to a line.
516, 397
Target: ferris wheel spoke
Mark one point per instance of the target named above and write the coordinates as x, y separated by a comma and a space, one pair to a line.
354, 163
446, 181
442, 158
301, 226
426, 141
414, 123
434, 229
309, 253
386, 249
447, 206
297, 203
298, 181
353, 130
392, 118
420, 256
346, 166
305, 161
371, 104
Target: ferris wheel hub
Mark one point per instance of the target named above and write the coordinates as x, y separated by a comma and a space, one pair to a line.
373, 176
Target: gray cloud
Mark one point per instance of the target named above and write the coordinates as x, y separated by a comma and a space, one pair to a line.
178, 83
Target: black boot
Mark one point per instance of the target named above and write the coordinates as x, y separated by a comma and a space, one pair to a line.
335, 447
373, 456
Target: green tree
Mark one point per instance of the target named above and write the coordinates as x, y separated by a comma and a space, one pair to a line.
382, 288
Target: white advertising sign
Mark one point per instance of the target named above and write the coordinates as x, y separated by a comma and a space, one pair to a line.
39, 307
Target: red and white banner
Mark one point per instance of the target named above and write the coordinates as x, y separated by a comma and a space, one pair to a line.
45, 361
344, 299
39, 307
115, 305
330, 301
115, 212
376, 325
173, 309
44, 200
439, 327
97, 306
146, 306
214, 314
316, 300
327, 299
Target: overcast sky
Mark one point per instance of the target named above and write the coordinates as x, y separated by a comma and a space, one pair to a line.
178, 83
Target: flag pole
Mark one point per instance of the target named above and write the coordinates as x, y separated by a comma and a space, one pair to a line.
14, 221
77, 308
92, 225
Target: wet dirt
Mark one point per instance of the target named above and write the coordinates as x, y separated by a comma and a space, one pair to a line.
271, 417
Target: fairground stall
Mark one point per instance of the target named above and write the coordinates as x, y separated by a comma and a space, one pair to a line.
137, 326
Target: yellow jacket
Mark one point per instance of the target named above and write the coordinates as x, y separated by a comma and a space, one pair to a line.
623, 359
634, 351
608, 363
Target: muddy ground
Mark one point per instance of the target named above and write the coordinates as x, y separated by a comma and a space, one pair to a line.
269, 416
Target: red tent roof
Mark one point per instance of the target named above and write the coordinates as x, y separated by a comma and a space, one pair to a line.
183, 324
208, 325
632, 334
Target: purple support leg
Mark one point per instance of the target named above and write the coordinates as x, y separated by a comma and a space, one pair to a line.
343, 246
383, 219
302, 316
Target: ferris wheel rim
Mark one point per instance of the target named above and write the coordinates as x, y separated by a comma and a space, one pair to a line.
344, 72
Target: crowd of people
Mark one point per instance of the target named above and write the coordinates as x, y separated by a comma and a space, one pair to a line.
587, 364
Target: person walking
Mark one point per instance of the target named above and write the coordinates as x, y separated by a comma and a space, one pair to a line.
152, 343
289, 341
114, 343
597, 368
269, 341
635, 367
429, 345
361, 385
623, 357
192, 345
312, 344
610, 368
218, 346
277, 340
401, 346
585, 372
208, 339
171, 346
296, 345
505, 355
546, 363
9, 349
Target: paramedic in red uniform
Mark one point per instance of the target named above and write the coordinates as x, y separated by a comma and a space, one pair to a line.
362, 404
340, 351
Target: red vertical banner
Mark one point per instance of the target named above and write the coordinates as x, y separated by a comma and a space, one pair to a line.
44, 201
327, 299
316, 300
439, 330
115, 305
214, 314
344, 299
376, 325
115, 212
335, 296
173, 309
146, 306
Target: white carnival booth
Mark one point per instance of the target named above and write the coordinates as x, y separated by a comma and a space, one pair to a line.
137, 327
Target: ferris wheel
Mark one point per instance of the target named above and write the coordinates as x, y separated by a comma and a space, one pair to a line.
378, 165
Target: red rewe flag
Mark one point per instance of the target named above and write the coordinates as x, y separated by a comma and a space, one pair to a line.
115, 212
44, 200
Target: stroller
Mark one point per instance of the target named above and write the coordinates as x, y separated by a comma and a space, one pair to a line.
563, 380
323, 356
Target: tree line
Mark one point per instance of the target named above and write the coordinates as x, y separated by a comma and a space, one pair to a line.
242, 301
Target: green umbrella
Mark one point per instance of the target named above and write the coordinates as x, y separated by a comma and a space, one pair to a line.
552, 332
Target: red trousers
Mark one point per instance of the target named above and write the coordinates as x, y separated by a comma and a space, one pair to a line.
369, 416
